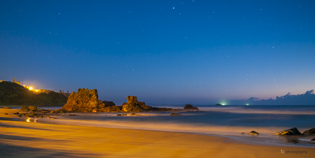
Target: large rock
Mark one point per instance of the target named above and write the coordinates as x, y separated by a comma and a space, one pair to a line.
292, 131
133, 105
190, 107
85, 100
310, 131
253, 133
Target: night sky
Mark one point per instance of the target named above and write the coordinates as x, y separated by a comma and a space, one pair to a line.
163, 51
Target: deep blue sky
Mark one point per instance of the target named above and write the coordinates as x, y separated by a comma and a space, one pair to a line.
171, 51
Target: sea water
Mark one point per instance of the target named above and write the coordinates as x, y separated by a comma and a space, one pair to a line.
227, 121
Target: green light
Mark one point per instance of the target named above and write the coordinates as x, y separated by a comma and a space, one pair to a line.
247, 104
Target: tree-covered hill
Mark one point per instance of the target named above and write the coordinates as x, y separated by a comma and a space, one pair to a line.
15, 94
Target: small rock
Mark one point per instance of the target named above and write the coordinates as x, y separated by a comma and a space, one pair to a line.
253, 133
24, 108
6, 113
121, 114
190, 107
242, 132
60, 111
30, 114
72, 115
313, 139
32, 108
174, 114
5, 107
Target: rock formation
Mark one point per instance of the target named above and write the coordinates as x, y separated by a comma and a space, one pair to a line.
292, 131
133, 105
190, 107
84, 100
109, 106
310, 131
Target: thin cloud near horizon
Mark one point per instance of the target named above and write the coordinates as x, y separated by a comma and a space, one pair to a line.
308, 98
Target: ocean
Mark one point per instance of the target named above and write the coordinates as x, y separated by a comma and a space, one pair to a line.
226, 121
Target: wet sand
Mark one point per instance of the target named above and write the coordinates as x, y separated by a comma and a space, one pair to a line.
30, 139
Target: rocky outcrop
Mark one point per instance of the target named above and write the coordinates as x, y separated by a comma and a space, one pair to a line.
133, 105
85, 100
310, 131
190, 107
253, 133
313, 139
292, 131
5, 107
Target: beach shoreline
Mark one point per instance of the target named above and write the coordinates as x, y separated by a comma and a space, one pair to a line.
36, 139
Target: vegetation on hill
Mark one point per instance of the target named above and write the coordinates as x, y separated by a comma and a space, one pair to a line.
15, 94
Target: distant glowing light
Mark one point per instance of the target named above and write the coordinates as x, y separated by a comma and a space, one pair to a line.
247, 104
36, 90
30, 88
28, 119
223, 103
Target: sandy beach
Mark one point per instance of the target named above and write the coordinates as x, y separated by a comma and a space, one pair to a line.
35, 139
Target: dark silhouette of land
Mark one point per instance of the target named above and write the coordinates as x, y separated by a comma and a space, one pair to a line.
15, 94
